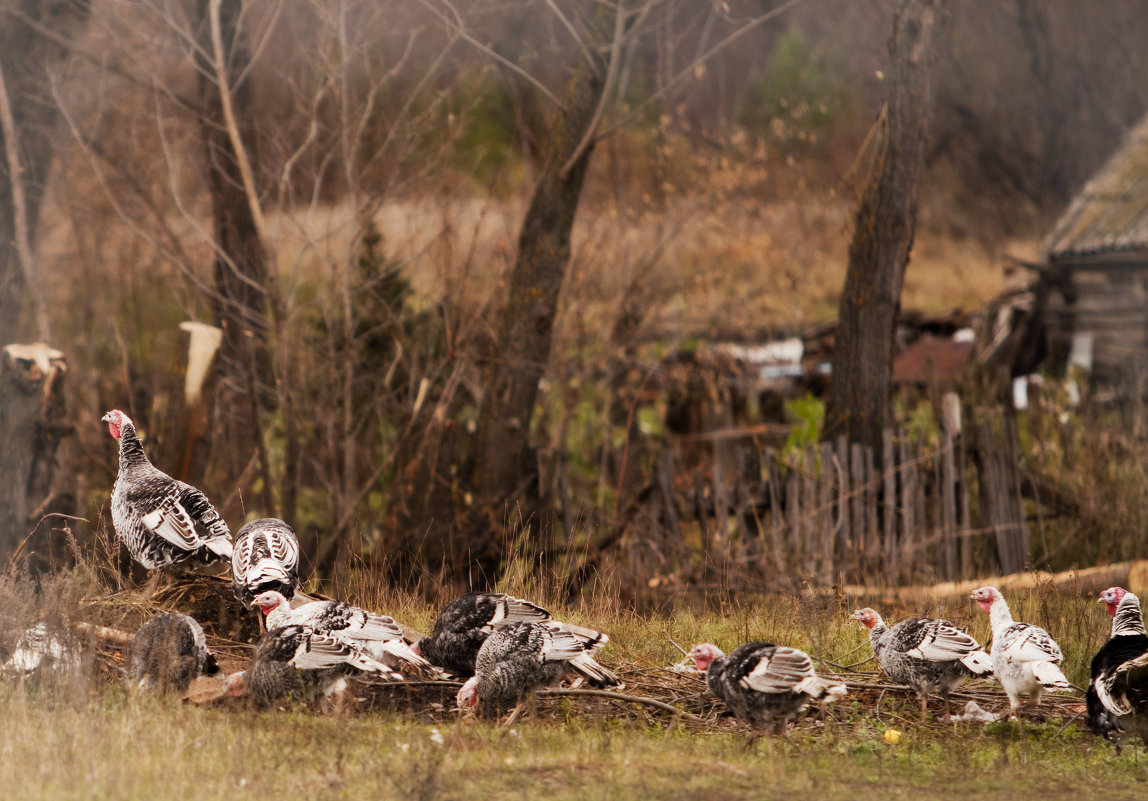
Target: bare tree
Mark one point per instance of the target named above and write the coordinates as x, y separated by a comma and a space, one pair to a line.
860, 394
34, 37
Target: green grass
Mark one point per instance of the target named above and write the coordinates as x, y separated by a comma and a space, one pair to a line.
89, 739
111, 746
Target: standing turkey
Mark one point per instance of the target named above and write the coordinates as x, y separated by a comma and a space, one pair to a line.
295, 661
266, 558
379, 636
1117, 697
932, 656
1025, 657
517, 659
161, 520
464, 624
763, 684
168, 653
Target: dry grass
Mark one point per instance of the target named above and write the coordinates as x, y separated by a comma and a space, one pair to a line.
86, 737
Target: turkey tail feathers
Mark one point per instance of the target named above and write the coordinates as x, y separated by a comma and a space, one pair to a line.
598, 676
221, 547
979, 663
1050, 676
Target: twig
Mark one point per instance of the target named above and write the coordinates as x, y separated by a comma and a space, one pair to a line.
680, 648
634, 699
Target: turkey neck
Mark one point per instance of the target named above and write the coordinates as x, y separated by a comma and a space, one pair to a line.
1128, 619
131, 450
999, 614
877, 634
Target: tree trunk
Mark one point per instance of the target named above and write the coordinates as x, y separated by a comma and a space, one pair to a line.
506, 469
240, 270
860, 392
33, 419
26, 59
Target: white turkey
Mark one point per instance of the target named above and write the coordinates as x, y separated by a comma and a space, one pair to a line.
520, 658
159, 519
464, 624
1117, 697
38, 648
763, 684
266, 557
295, 661
1025, 657
168, 653
377, 635
931, 656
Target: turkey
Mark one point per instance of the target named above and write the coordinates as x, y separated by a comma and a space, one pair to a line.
763, 684
266, 557
159, 519
517, 659
464, 624
39, 648
300, 662
1025, 658
1117, 696
378, 636
931, 656
168, 653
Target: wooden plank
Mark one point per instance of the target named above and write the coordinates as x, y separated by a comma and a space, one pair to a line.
949, 504
964, 520
857, 488
889, 504
909, 559
872, 532
793, 516
773, 483
825, 502
845, 536
811, 529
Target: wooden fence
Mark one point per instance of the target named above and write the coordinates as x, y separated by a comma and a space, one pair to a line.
838, 512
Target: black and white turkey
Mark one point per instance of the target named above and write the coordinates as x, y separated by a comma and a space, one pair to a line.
159, 519
1117, 696
168, 653
295, 661
266, 557
763, 684
464, 624
520, 658
930, 655
1025, 658
379, 636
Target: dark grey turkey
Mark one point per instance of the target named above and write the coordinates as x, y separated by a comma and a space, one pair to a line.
517, 659
1117, 696
763, 684
168, 653
294, 661
930, 655
464, 624
159, 519
266, 557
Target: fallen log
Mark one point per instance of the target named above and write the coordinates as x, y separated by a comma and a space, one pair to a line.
1133, 576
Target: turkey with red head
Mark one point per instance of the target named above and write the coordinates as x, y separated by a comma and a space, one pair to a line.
930, 655
763, 684
161, 520
1117, 696
1025, 657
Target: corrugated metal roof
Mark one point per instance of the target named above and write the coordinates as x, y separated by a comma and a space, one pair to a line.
1111, 212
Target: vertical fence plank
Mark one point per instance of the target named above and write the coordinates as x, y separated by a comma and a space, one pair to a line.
872, 532
793, 516
948, 504
908, 512
889, 505
825, 503
845, 537
857, 490
775, 513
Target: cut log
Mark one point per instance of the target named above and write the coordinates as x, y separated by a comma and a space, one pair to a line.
1133, 576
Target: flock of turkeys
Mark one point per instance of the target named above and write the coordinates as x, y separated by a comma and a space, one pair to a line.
505, 648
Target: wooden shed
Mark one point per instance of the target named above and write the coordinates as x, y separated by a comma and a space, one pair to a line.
1096, 281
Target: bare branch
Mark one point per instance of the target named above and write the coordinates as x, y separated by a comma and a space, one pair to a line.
689, 69
611, 75
457, 27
